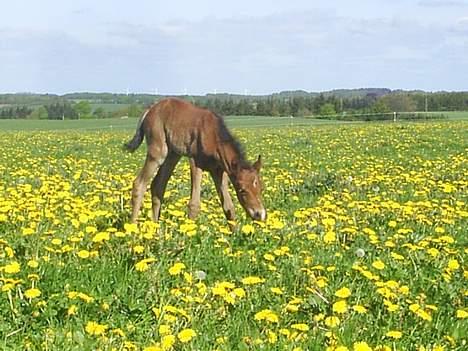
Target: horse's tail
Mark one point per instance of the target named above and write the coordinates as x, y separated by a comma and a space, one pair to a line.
137, 139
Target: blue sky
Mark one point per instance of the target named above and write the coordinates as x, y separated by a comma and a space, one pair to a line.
243, 46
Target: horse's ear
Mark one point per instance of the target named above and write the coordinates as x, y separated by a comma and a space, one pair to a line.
258, 164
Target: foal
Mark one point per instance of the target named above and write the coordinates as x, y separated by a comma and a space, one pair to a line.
174, 128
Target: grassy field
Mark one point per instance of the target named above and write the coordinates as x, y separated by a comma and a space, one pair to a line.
130, 123
365, 246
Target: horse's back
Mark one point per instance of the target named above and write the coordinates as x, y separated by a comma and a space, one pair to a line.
186, 128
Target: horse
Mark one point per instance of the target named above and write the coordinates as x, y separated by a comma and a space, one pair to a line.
174, 128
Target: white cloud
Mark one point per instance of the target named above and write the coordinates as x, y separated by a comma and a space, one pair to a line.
312, 50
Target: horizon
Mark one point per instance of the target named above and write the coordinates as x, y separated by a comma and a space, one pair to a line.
231, 93
241, 48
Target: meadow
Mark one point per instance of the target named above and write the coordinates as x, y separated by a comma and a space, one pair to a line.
365, 246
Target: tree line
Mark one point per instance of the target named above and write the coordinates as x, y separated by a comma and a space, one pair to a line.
298, 103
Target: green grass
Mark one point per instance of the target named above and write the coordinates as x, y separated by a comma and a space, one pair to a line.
130, 123
456, 115
379, 209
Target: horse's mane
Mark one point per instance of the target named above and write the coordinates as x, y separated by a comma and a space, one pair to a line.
226, 137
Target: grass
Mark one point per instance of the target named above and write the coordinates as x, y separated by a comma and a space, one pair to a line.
130, 123
365, 246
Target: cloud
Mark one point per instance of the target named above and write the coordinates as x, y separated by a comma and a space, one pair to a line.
443, 3
312, 50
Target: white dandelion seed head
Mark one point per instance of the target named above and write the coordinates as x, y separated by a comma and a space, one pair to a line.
360, 252
200, 275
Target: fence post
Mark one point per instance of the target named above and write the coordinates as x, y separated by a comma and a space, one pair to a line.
394, 116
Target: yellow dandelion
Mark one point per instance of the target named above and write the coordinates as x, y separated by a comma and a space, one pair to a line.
332, 321
252, 280
248, 229
101, 237
164, 329
167, 341
277, 291
138, 249
72, 310
462, 314
343, 293
267, 315
340, 306
300, 326
453, 265
186, 335
378, 265
94, 328
177, 268
359, 309
12, 268
33, 264
153, 348
395, 334
361, 346
32, 293
83, 254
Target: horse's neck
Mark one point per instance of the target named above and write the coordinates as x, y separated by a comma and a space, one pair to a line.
228, 157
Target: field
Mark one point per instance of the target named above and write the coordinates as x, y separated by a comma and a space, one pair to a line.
365, 246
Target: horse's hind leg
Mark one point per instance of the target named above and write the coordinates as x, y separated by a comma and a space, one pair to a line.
152, 163
196, 178
159, 183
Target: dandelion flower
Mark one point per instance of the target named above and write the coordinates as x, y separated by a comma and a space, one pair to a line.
361, 346
32, 293
186, 335
177, 268
462, 314
83, 254
301, 327
12, 268
340, 306
378, 265
343, 293
267, 315
252, 280
395, 334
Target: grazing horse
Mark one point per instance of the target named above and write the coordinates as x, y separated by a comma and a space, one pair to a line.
175, 128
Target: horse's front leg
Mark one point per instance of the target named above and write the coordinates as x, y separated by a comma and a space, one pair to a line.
159, 183
196, 178
221, 181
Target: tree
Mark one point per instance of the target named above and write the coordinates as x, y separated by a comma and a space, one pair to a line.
99, 113
83, 109
380, 107
135, 110
400, 102
327, 109
39, 113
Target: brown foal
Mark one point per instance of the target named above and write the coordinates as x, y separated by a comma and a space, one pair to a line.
175, 128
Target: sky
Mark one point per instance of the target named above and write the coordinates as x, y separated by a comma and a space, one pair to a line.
248, 47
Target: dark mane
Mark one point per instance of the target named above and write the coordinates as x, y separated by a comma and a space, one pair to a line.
226, 137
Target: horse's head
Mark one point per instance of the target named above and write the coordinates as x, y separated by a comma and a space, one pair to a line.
248, 186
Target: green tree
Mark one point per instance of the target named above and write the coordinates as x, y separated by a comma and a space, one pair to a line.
39, 113
327, 109
399, 102
83, 109
134, 110
380, 107
99, 113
